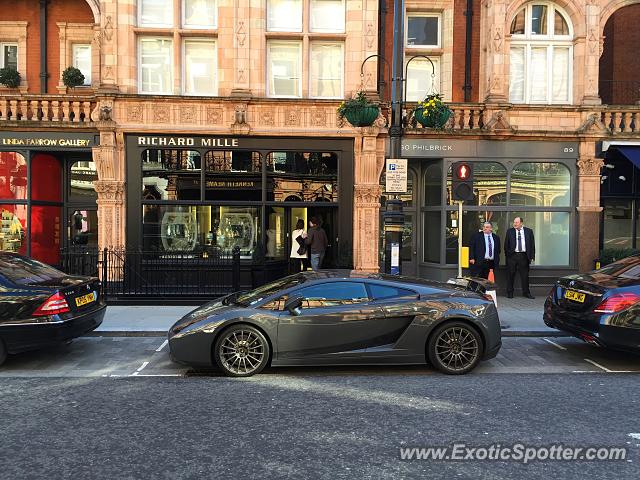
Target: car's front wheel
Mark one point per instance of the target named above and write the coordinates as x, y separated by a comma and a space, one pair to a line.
241, 351
455, 348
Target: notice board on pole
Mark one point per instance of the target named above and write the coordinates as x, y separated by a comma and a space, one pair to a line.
396, 175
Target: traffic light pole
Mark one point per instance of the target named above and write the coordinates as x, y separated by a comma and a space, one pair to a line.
460, 202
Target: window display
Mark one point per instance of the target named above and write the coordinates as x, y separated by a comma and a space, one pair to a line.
13, 228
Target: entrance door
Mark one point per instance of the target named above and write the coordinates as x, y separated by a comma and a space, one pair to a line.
82, 227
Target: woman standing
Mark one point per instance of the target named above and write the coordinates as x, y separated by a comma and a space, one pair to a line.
298, 248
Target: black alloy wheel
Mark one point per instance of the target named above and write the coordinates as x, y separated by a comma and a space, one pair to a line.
241, 351
455, 348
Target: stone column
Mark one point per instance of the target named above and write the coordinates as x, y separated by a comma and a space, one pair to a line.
588, 206
108, 46
242, 52
110, 186
368, 164
494, 66
591, 50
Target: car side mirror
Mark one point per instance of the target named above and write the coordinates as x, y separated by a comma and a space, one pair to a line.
293, 305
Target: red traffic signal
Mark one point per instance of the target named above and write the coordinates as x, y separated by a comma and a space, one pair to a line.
462, 181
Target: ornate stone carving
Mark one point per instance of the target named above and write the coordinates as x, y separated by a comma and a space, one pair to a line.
107, 31
134, 113
589, 166
367, 195
108, 73
593, 41
268, 118
214, 115
370, 35
593, 124
241, 34
161, 114
188, 113
318, 117
292, 118
497, 39
240, 114
109, 190
499, 123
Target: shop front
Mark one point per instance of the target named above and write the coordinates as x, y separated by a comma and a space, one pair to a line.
532, 179
203, 196
47, 196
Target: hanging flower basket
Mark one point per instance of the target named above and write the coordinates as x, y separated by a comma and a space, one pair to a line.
432, 112
359, 111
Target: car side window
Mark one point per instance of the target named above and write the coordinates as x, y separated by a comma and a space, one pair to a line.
276, 305
379, 292
333, 294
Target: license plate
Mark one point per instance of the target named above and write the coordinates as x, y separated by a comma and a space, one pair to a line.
84, 299
575, 296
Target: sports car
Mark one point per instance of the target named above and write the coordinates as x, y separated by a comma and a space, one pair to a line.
340, 318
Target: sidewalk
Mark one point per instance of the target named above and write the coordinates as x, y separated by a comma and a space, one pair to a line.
519, 317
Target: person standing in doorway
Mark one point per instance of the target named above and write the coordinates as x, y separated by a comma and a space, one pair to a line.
484, 254
298, 256
520, 250
317, 242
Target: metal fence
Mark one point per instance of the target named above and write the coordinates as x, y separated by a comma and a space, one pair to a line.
151, 274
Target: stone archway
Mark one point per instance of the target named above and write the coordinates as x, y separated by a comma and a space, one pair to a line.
95, 8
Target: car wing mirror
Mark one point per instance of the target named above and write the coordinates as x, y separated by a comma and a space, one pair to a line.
293, 305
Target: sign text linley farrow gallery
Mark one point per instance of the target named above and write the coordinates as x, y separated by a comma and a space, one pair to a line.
187, 142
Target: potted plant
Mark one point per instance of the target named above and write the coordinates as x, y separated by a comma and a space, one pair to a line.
359, 111
9, 77
72, 77
432, 112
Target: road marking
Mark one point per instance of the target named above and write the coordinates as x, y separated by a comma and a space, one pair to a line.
160, 375
554, 344
585, 371
606, 369
139, 369
162, 346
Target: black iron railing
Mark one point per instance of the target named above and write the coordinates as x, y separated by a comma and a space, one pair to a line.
619, 92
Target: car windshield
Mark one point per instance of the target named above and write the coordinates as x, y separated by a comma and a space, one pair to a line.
251, 297
627, 268
25, 271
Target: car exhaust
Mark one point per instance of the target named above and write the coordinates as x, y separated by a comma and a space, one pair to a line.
590, 339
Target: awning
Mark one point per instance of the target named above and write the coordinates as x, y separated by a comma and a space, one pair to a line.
632, 153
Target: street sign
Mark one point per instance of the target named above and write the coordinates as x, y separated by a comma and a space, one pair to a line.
395, 259
396, 175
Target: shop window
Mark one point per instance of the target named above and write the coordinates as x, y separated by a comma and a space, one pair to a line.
13, 228
83, 227
423, 78
9, 55
327, 16
82, 61
327, 69
235, 175
200, 71
433, 185
541, 55
156, 65
171, 175
423, 30
284, 15
13, 176
46, 222
311, 176
544, 184
551, 231
472, 222
46, 178
82, 175
284, 69
490, 184
431, 237
200, 14
155, 13
239, 161
201, 229
618, 223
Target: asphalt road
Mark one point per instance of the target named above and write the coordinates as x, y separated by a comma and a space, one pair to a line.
117, 408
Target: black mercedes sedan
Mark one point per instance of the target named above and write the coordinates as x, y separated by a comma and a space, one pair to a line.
601, 307
40, 305
340, 318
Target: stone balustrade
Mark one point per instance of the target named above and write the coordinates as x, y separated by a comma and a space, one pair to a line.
46, 108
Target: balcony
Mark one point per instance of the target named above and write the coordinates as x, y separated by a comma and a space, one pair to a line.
46, 110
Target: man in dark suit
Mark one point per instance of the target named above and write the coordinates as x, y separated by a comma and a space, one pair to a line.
484, 251
520, 250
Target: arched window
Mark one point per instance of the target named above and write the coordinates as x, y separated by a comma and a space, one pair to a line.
541, 55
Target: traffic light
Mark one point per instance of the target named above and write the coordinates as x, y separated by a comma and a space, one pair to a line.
462, 181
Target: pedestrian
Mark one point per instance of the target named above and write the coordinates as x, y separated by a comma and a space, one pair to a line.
484, 254
520, 250
298, 256
317, 242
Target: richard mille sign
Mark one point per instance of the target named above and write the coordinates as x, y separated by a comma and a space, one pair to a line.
146, 141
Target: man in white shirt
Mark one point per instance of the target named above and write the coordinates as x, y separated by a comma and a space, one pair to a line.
520, 250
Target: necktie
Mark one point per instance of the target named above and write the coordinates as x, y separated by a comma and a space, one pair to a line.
519, 242
490, 247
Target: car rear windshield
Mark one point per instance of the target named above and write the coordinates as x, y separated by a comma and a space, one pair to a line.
25, 271
627, 268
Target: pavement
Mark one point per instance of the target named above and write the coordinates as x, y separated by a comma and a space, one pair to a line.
519, 317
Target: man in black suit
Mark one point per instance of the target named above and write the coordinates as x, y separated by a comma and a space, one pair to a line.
520, 250
484, 252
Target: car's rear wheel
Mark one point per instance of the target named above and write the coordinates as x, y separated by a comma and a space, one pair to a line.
3, 352
241, 351
455, 348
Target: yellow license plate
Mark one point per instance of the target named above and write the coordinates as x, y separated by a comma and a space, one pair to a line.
88, 298
575, 296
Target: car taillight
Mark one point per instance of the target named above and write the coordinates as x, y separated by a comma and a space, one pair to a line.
53, 305
617, 302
